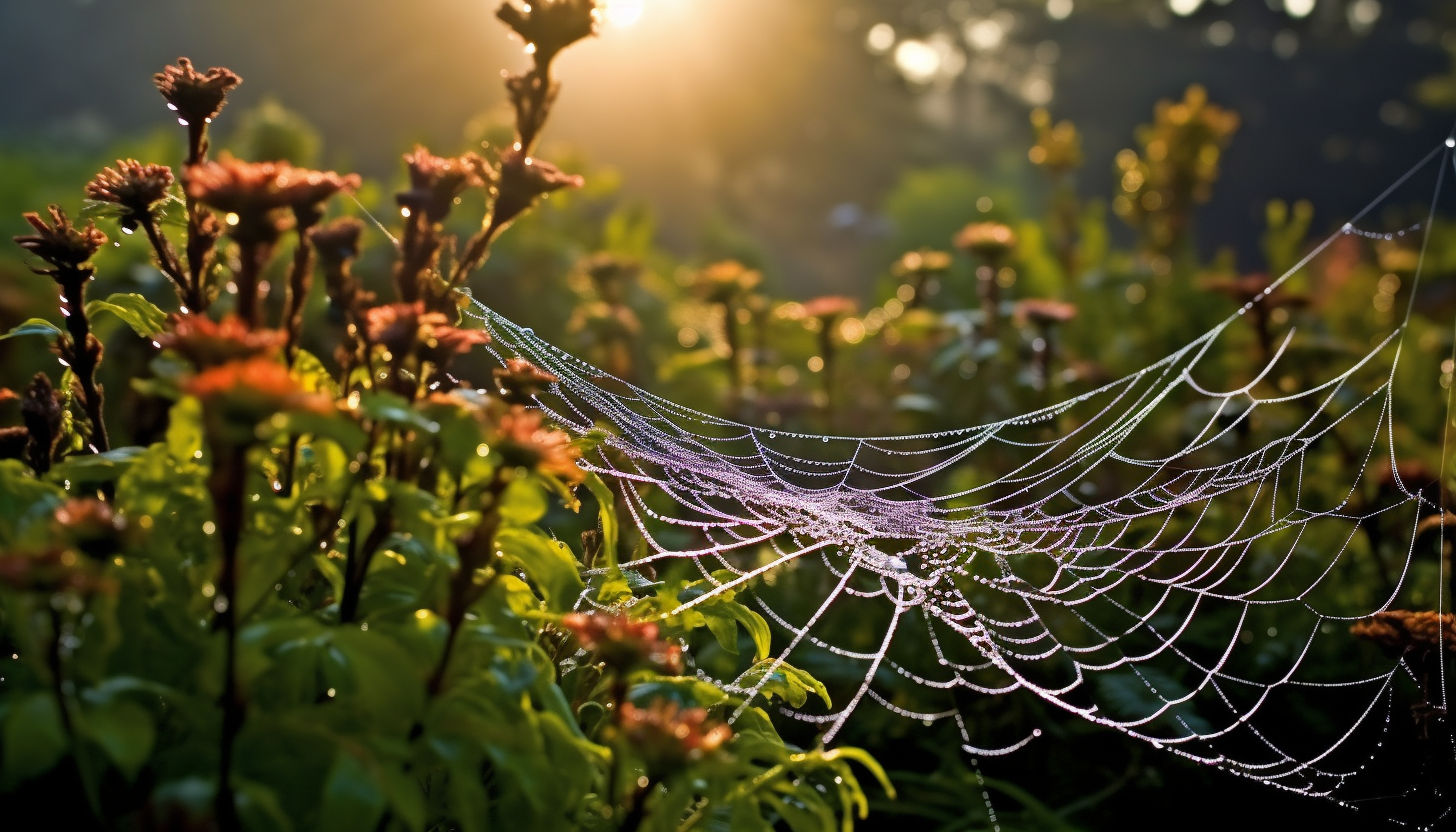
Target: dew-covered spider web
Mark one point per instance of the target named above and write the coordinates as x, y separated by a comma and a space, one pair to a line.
1193, 599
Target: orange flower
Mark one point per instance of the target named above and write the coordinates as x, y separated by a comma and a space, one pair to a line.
667, 737
623, 644
207, 344
829, 307
726, 280
989, 241
526, 442
239, 395
1044, 312
520, 380
254, 192
924, 261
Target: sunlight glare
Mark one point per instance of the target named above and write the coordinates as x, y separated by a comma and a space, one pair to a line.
623, 12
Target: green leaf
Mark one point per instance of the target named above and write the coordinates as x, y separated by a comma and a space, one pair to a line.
124, 730
392, 409
522, 503
94, 468
550, 564
785, 681
335, 427
34, 326
313, 375
353, 799
137, 312
35, 739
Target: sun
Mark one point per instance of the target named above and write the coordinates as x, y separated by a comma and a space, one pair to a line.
622, 12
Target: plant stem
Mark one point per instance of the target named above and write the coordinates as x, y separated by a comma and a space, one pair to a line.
73, 288
228, 483
166, 258
356, 566
475, 552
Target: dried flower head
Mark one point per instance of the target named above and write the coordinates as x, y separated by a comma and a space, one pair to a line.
68, 249
134, 186
520, 381
666, 736
1404, 630
43, 414
400, 326
549, 26
208, 344
522, 181
525, 441
253, 193
726, 280
305, 191
338, 241
436, 181
197, 97
439, 344
622, 644
990, 241
1044, 312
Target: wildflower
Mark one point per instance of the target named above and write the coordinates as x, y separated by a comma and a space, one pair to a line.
53, 570
65, 247
990, 241
91, 526
436, 181
524, 180
209, 344
549, 26
440, 344
827, 309
525, 442
337, 245
247, 191
724, 281
622, 644
1043, 312
239, 395
399, 326
197, 97
666, 736
134, 186
520, 381
1404, 630
1058, 147
923, 262
305, 191
43, 414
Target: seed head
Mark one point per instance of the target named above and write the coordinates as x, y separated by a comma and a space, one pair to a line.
197, 97
68, 249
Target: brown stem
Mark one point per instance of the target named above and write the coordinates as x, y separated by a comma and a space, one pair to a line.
356, 564
300, 280
73, 289
227, 482
251, 257
166, 257
200, 245
476, 251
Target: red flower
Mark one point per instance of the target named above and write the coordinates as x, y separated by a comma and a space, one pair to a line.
623, 644
666, 736
525, 442
207, 344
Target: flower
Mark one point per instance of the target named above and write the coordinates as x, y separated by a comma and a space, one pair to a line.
336, 242
550, 25
91, 526
1404, 630
524, 180
667, 736
208, 344
52, 570
239, 395
436, 181
253, 193
989, 241
67, 248
923, 262
43, 414
197, 97
525, 442
520, 381
441, 343
399, 326
1044, 312
623, 644
725, 280
825, 309
1058, 147
136, 187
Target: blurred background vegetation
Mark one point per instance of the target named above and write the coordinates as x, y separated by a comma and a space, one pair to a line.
878, 216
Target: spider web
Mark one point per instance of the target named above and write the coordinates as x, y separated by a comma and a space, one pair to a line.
1130, 588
